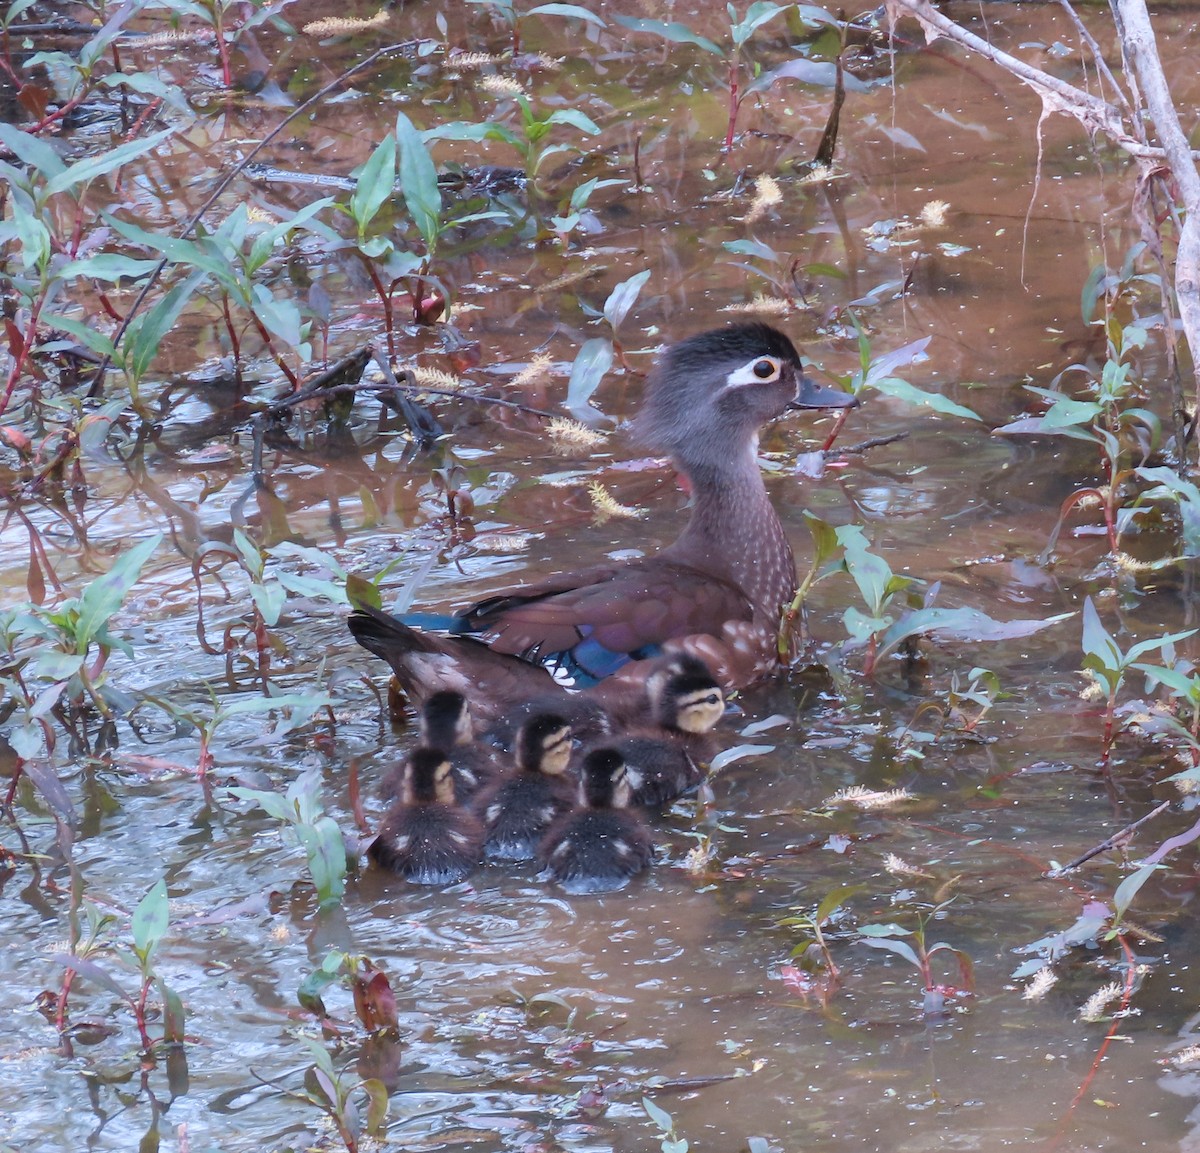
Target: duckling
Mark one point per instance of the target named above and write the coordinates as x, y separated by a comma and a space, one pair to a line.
663, 760
427, 836
447, 725
518, 809
602, 843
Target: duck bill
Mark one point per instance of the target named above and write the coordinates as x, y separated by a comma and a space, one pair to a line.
809, 394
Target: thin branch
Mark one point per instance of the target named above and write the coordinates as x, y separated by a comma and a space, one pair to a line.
1115, 841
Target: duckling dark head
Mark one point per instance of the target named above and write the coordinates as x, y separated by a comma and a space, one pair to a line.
428, 778
605, 782
713, 391
685, 695
544, 745
446, 720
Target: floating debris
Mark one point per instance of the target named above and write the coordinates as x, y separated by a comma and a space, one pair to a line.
345, 25
860, 797
569, 436
607, 507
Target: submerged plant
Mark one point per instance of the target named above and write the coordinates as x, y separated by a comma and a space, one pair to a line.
507, 11
815, 973
740, 30
919, 953
148, 927
374, 998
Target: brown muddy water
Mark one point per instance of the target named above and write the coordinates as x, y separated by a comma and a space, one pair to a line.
531, 1021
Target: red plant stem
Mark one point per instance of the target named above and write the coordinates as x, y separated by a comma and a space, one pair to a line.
150, 110
734, 101
1110, 717
1126, 994
222, 47
139, 1011
64, 993
293, 379
28, 337
838, 423
11, 795
59, 113
235, 345
385, 298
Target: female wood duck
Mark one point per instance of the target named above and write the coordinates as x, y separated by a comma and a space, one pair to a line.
716, 593
664, 761
518, 810
427, 836
600, 845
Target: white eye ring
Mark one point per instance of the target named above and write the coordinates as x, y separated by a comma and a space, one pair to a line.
761, 370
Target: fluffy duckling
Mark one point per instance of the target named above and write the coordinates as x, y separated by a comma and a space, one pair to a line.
663, 759
518, 809
602, 843
427, 836
446, 724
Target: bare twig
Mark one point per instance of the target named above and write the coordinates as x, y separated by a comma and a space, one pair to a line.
1116, 840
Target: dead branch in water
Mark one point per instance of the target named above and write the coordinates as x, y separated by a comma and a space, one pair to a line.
1147, 97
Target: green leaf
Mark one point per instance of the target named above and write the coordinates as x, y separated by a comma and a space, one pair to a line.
93, 166
1097, 642
322, 841
418, 179
104, 595
108, 266
964, 624
834, 899
574, 11
756, 16
592, 361
271, 803
658, 1115
150, 920
824, 536
900, 948
377, 1104
675, 32
362, 593
174, 1020
910, 394
32, 151
376, 182
623, 297
575, 119
1128, 889
269, 600
52, 665
754, 248
144, 336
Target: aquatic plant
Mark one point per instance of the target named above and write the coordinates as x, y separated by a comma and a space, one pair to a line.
1107, 665
374, 998
920, 954
300, 810
507, 11
815, 973
741, 29
669, 1139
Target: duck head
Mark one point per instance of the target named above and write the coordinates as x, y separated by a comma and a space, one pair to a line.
709, 395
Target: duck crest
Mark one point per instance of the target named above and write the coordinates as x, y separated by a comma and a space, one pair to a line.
716, 593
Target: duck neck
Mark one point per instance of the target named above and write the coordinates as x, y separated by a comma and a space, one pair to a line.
735, 533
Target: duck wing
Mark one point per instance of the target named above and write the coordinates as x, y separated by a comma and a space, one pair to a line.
588, 624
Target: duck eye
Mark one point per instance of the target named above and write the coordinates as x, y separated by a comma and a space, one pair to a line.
765, 369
